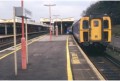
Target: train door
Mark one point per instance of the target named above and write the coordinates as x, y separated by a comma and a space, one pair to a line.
96, 30
107, 29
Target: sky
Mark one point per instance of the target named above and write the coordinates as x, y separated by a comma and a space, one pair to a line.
63, 8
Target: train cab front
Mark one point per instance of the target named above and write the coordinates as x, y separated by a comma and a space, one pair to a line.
100, 29
95, 30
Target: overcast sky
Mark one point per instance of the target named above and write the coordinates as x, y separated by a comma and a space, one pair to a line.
64, 8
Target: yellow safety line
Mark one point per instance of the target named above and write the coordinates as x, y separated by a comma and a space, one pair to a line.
6, 55
20, 47
69, 70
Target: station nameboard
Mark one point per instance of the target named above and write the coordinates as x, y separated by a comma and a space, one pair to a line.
22, 12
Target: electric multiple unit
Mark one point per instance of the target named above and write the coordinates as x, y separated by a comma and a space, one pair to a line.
93, 29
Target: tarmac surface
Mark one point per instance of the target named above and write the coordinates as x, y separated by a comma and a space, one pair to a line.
58, 59
47, 61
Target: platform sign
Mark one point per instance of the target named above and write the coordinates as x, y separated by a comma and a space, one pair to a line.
22, 12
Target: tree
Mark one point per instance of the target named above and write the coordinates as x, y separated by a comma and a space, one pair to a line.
111, 8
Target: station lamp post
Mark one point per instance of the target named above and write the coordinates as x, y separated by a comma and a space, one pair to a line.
49, 5
23, 43
22, 13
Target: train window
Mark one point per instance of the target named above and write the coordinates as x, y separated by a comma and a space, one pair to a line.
96, 23
85, 24
105, 24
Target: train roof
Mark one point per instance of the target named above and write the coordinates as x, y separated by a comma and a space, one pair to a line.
75, 21
96, 15
92, 16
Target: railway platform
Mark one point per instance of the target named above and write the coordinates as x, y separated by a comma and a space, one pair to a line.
4, 36
58, 59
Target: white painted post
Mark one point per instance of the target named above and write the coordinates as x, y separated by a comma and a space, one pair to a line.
56, 30
53, 29
61, 26
5, 29
15, 54
26, 40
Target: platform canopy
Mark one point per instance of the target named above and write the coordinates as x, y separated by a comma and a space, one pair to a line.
18, 20
70, 19
63, 23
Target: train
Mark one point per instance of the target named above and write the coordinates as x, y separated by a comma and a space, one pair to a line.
93, 30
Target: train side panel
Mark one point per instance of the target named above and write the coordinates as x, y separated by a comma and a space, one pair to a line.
76, 30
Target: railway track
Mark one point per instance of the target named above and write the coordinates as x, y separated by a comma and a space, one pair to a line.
113, 60
106, 65
10, 42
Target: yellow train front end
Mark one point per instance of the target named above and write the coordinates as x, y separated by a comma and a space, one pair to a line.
95, 30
